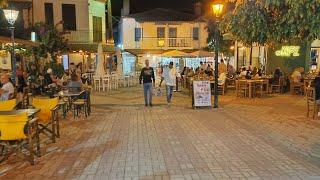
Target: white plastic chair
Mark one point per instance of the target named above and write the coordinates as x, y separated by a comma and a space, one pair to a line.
114, 82
97, 83
106, 85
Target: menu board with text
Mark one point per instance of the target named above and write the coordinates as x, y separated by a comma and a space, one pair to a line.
202, 94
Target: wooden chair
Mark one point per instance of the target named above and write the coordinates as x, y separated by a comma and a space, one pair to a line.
18, 134
231, 83
222, 88
312, 105
296, 87
8, 105
82, 103
261, 88
278, 87
48, 117
106, 82
243, 89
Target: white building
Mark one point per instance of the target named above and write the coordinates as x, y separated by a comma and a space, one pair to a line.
150, 33
84, 20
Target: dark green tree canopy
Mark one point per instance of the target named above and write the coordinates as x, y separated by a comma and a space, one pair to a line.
273, 21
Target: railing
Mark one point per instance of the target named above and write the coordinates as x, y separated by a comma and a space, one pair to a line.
86, 36
166, 43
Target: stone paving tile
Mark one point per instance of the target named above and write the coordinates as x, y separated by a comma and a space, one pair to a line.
246, 139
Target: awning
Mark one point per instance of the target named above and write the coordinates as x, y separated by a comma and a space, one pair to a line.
91, 47
138, 52
202, 53
177, 53
4, 39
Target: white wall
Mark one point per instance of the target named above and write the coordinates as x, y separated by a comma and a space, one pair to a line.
149, 35
81, 11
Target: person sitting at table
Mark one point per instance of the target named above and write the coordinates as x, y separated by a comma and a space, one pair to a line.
254, 73
209, 71
243, 72
260, 72
7, 89
276, 76
190, 73
222, 67
74, 85
297, 75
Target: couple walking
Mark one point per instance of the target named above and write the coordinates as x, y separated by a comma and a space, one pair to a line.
147, 77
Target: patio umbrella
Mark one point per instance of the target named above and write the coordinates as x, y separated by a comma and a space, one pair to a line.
177, 54
201, 53
100, 67
119, 61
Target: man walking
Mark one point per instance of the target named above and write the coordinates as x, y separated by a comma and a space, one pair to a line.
170, 75
147, 78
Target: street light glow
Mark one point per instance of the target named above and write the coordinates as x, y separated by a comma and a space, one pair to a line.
11, 15
217, 9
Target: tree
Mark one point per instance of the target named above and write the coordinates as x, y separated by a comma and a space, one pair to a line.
248, 24
273, 21
52, 42
293, 19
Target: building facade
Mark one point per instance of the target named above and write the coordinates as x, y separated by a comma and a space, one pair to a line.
148, 34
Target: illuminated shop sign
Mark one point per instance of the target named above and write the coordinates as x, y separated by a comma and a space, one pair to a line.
287, 51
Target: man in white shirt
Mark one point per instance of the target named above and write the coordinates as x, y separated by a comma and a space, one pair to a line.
170, 75
7, 89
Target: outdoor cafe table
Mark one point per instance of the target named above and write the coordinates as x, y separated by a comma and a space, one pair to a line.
31, 112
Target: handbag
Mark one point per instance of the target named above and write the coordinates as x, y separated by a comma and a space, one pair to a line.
157, 92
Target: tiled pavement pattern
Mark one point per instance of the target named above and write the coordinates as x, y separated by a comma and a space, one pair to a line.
245, 139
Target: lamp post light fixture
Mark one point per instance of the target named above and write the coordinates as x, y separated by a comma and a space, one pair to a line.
217, 9
11, 16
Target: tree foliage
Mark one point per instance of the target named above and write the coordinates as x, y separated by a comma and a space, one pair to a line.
248, 23
51, 40
273, 21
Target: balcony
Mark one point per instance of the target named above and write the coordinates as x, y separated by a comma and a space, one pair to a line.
167, 43
85, 37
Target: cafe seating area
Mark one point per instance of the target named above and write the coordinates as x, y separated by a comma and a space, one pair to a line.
26, 129
113, 81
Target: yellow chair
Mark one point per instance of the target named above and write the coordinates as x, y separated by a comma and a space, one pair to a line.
48, 119
8, 105
17, 133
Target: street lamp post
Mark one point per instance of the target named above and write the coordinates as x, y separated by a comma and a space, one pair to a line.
217, 8
11, 16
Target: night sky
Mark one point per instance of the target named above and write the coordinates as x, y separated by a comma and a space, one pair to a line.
142, 5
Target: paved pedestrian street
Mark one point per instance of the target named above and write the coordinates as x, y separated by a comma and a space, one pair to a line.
269, 138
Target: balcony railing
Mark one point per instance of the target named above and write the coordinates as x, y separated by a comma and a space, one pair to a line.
86, 37
167, 43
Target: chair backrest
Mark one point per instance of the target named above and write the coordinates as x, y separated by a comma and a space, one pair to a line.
8, 105
310, 94
46, 105
12, 126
